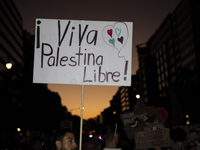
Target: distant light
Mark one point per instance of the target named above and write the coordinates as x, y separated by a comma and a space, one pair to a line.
187, 122
137, 96
114, 112
9, 65
100, 137
187, 116
90, 136
18, 129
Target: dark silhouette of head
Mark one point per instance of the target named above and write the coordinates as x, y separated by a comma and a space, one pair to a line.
65, 139
108, 133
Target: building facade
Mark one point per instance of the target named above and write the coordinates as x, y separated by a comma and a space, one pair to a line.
169, 62
11, 42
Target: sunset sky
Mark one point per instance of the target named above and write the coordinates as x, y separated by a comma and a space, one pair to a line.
146, 15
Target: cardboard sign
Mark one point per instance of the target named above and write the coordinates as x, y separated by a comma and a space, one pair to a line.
83, 52
141, 120
151, 139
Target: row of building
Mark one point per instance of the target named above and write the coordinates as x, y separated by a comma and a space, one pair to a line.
169, 69
168, 62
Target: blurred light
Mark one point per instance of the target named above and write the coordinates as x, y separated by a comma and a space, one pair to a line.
187, 116
18, 129
137, 96
90, 135
114, 112
100, 137
187, 122
22, 141
8, 65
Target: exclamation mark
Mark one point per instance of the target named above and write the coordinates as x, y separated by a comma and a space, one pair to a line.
125, 69
38, 34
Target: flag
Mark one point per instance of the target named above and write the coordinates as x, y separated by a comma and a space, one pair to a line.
177, 111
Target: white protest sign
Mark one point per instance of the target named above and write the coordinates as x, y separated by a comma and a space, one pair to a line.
83, 52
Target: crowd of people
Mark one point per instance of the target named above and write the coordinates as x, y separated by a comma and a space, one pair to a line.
111, 140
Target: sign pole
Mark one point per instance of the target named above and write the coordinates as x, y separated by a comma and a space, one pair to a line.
81, 119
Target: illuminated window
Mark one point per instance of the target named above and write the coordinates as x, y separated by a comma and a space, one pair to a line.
122, 95
163, 84
127, 103
123, 99
160, 87
158, 71
144, 85
146, 99
123, 109
124, 103
145, 92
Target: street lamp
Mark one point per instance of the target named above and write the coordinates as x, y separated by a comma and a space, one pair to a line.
137, 96
8, 64
18, 129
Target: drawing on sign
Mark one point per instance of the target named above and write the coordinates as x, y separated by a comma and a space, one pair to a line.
146, 118
117, 36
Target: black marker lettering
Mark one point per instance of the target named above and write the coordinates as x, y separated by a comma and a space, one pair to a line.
38, 34
100, 59
100, 75
85, 57
91, 54
71, 59
70, 43
59, 32
63, 59
53, 61
81, 35
94, 38
79, 54
94, 75
45, 54
125, 70
57, 57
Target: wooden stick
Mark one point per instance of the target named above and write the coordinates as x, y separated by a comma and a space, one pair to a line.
81, 119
